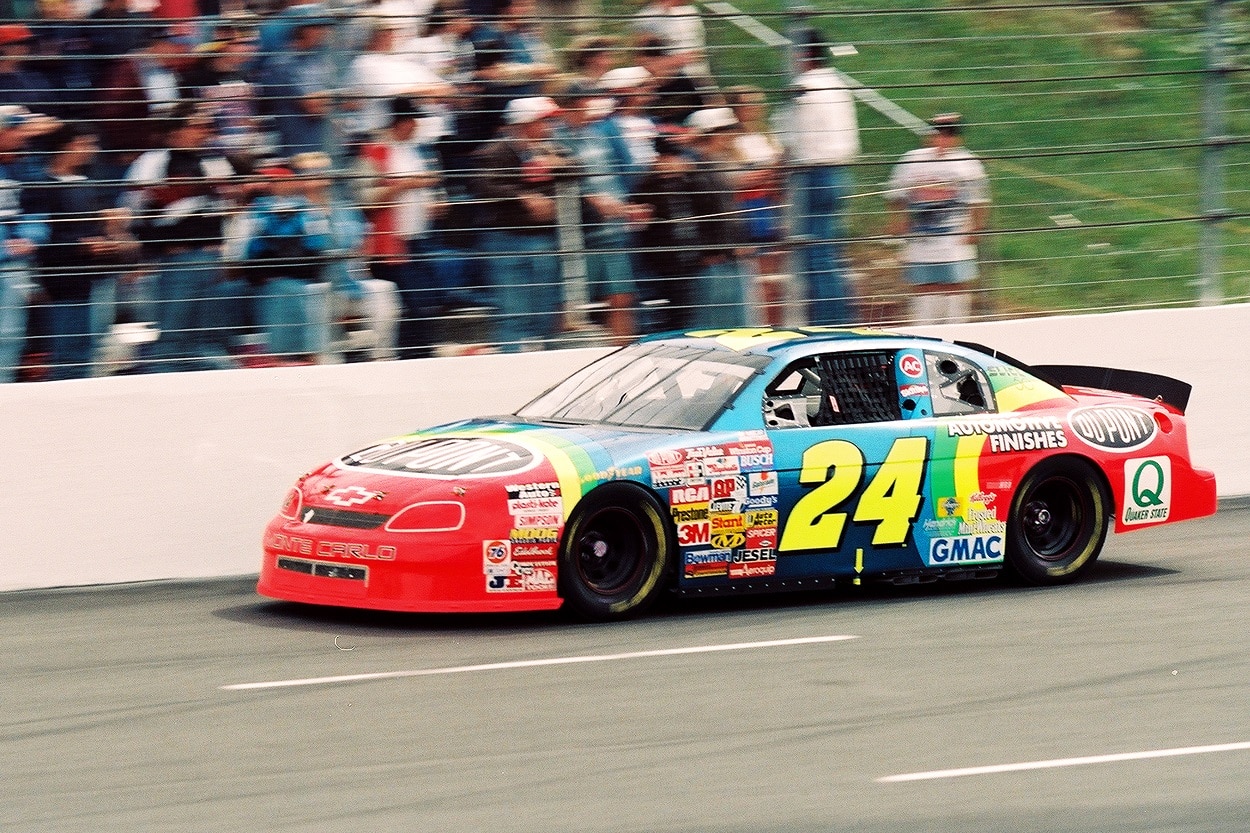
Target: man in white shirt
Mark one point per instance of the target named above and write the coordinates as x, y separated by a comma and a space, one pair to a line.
821, 136
939, 202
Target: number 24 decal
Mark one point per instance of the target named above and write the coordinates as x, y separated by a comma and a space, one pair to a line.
891, 499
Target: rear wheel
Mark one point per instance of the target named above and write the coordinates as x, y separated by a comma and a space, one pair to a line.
1058, 522
615, 554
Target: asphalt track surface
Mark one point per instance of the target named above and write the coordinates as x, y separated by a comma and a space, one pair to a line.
115, 717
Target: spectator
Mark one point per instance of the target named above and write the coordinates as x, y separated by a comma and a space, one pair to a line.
603, 161
298, 83
634, 92
19, 82
721, 289
21, 232
180, 196
65, 57
138, 95
87, 245
512, 58
446, 49
398, 186
676, 95
591, 56
115, 30
759, 196
939, 202
678, 26
356, 300
670, 242
822, 138
517, 217
381, 74
221, 78
288, 239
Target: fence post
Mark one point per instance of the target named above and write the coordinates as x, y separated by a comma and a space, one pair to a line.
1215, 141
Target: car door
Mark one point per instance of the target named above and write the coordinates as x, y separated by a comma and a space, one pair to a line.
850, 469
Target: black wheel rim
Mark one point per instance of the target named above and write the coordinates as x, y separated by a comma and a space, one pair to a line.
611, 551
1052, 518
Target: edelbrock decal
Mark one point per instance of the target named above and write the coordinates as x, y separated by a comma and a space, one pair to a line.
1113, 427
445, 457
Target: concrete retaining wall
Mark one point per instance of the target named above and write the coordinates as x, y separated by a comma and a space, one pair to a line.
174, 476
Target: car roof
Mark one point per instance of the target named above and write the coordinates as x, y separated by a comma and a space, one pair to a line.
776, 341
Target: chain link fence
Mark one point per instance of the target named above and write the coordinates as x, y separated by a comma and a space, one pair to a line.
235, 185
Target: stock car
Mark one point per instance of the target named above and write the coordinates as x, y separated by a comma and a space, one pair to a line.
746, 461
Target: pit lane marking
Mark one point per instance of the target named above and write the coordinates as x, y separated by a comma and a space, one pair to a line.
1064, 762
536, 663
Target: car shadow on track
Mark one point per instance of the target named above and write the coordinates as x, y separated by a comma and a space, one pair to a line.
303, 617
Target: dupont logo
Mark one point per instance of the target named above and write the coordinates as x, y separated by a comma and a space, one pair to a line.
1113, 427
446, 457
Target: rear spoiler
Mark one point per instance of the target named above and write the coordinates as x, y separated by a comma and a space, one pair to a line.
1138, 383
1149, 385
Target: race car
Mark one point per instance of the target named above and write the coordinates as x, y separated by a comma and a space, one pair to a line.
746, 461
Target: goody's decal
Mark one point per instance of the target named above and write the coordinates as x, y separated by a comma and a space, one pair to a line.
1113, 427
445, 457
1147, 491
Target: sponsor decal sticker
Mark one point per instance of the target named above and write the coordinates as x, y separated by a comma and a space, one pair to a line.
497, 558
762, 517
1113, 427
726, 506
523, 521
445, 457
913, 391
665, 477
689, 512
690, 494
534, 552
351, 496
715, 466
965, 549
753, 563
731, 487
705, 563
762, 483
911, 366
694, 533
535, 535
728, 540
728, 523
541, 580
761, 502
552, 505
761, 537
667, 457
1147, 490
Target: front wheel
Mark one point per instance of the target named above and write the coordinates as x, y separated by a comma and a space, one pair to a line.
615, 554
1058, 522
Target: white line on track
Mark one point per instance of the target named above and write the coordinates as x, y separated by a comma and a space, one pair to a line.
1063, 762
535, 663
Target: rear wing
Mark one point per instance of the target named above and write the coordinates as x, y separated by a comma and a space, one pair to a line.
1138, 383
1148, 385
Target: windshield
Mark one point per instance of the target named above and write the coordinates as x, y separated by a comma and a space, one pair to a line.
649, 386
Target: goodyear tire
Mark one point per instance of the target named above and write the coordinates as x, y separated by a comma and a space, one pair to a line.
616, 553
1058, 522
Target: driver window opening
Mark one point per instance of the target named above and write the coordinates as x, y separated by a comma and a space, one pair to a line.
835, 389
957, 386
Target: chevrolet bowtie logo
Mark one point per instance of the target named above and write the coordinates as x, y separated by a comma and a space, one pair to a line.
350, 496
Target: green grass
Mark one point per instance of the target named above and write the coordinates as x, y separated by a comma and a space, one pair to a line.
985, 64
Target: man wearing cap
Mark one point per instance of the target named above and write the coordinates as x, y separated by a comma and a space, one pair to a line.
298, 83
21, 233
398, 186
938, 197
634, 90
516, 182
19, 84
721, 291
180, 196
821, 137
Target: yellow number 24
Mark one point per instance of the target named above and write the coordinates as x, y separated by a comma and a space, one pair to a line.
892, 498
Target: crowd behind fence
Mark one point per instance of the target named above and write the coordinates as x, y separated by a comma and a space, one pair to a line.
254, 187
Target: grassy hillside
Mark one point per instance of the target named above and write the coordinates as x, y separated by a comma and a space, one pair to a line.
1086, 116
